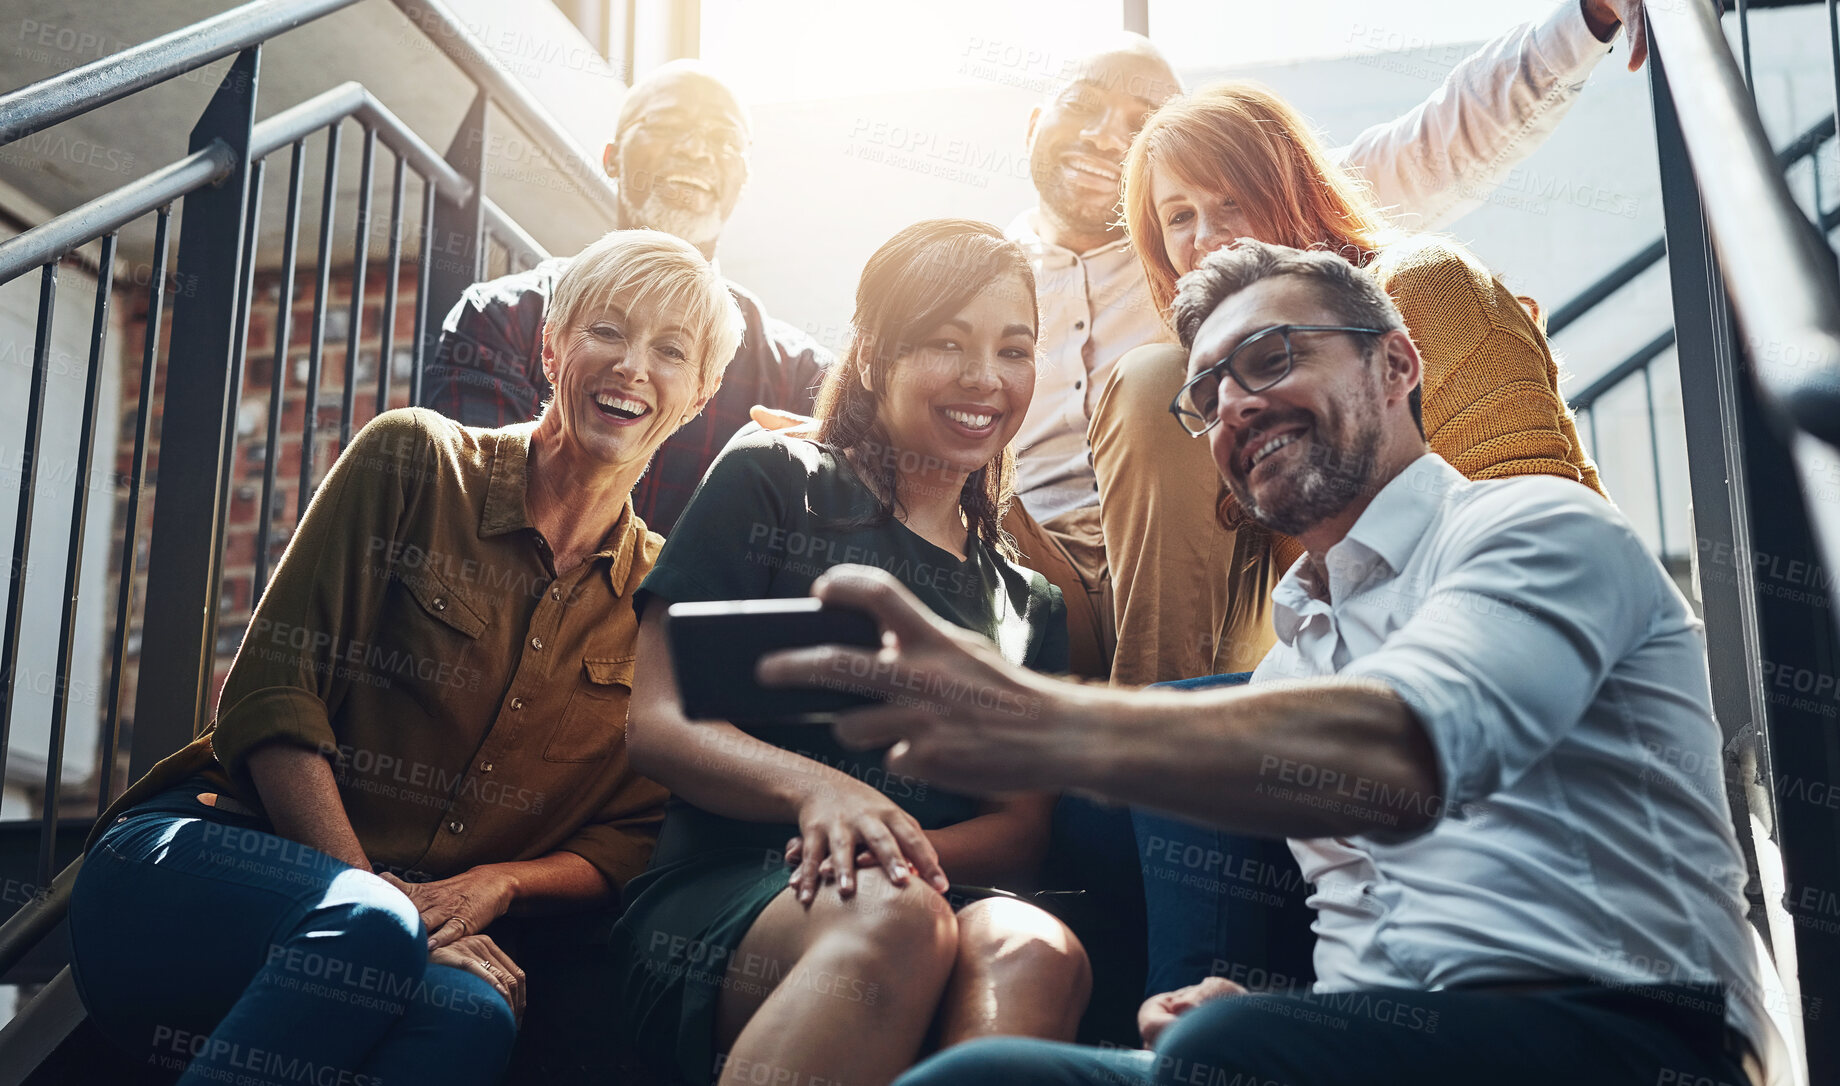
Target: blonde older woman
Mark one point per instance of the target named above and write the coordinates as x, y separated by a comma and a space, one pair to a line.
424, 727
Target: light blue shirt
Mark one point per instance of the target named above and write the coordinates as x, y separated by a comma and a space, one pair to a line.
1582, 828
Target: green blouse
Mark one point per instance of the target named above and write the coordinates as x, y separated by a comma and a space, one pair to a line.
773, 513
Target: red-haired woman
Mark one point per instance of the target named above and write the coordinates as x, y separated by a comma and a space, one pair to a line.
1192, 577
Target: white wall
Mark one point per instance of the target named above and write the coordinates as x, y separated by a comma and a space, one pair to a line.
834, 177
58, 484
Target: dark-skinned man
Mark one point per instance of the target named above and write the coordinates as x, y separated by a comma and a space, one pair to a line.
679, 156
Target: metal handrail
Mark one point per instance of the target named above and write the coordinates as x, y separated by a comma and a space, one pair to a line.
68, 94
1781, 287
35, 919
53, 238
452, 37
513, 237
50, 240
111, 78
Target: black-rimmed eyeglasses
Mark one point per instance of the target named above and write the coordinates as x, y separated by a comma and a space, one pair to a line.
1260, 361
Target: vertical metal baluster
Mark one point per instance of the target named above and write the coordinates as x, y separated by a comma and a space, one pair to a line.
73, 565
1833, 56
22, 531
386, 333
360, 255
1654, 453
130, 525
239, 349
1743, 37
277, 380
421, 294
309, 419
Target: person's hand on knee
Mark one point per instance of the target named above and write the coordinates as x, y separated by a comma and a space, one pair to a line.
1159, 1011
480, 956
456, 907
827, 871
847, 817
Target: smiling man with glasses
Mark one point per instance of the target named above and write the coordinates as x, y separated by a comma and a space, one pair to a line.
1456, 733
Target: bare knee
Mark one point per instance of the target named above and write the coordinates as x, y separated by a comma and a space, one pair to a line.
1015, 942
912, 925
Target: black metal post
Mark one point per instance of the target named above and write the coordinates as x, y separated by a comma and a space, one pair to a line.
177, 647
22, 531
424, 262
1768, 618
316, 345
131, 520
1706, 347
354, 330
277, 378
458, 246
73, 564
239, 350
386, 331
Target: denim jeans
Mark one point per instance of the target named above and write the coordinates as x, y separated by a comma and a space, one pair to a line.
1221, 904
201, 941
1579, 1035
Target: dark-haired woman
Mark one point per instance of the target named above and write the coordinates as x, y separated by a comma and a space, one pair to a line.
799, 917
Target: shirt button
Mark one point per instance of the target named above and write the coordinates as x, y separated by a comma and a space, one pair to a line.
485, 767
456, 826
517, 704
1077, 325
555, 593
1077, 384
536, 643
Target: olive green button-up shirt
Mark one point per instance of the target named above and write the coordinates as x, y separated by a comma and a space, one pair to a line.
472, 701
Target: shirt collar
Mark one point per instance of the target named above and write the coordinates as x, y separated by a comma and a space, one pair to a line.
1025, 230
1393, 523
1387, 531
506, 509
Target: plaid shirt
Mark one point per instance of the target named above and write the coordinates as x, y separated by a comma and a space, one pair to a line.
487, 370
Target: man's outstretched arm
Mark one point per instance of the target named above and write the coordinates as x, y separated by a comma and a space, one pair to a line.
1445, 156
1280, 759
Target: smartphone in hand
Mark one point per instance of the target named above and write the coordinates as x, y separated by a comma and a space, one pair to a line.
715, 647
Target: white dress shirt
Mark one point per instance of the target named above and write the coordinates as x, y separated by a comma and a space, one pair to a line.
1582, 826
1426, 168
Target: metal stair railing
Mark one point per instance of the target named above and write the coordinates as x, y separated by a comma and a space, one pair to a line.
218, 186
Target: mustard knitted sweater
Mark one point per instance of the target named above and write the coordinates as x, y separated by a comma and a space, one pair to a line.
1491, 388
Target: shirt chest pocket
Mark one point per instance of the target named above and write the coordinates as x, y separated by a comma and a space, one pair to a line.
594, 722
440, 603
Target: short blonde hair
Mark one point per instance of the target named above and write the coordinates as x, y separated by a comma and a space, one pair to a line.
651, 268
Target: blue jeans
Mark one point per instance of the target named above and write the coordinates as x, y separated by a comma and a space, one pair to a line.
201, 941
1221, 904
1580, 1035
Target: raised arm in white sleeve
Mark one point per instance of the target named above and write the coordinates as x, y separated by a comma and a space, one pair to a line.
1443, 157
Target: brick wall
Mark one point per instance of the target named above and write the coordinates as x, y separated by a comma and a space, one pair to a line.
239, 588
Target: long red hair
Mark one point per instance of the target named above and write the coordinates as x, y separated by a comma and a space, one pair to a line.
1241, 139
